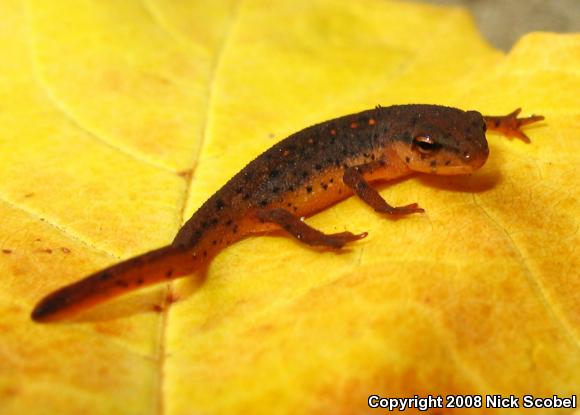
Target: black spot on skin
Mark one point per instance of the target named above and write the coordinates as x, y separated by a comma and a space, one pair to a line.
214, 221
448, 162
318, 167
122, 283
324, 185
382, 163
373, 157
214, 242
309, 189
366, 155
219, 204
229, 222
407, 160
289, 204
331, 180
105, 276
433, 163
139, 281
169, 273
6, 251
295, 209
291, 188
263, 202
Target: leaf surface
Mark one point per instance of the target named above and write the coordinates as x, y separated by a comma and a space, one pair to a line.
119, 119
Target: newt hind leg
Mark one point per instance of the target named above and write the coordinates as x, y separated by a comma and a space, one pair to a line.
305, 233
510, 125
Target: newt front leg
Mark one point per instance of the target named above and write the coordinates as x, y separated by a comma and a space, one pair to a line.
510, 125
354, 178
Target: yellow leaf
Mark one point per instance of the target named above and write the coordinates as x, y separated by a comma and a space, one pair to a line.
119, 118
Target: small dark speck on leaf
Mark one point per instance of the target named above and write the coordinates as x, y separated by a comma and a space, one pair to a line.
186, 174
7, 251
65, 250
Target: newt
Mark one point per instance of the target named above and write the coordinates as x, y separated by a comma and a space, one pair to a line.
308, 171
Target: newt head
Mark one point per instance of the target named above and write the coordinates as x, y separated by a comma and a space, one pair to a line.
441, 140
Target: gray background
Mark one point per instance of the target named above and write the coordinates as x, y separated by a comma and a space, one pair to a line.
503, 21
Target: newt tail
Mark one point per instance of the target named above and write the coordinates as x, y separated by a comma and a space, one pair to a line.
150, 268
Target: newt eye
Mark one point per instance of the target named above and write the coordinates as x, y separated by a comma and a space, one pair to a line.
425, 144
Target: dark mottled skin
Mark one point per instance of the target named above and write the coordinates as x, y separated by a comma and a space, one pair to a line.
307, 172
293, 166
